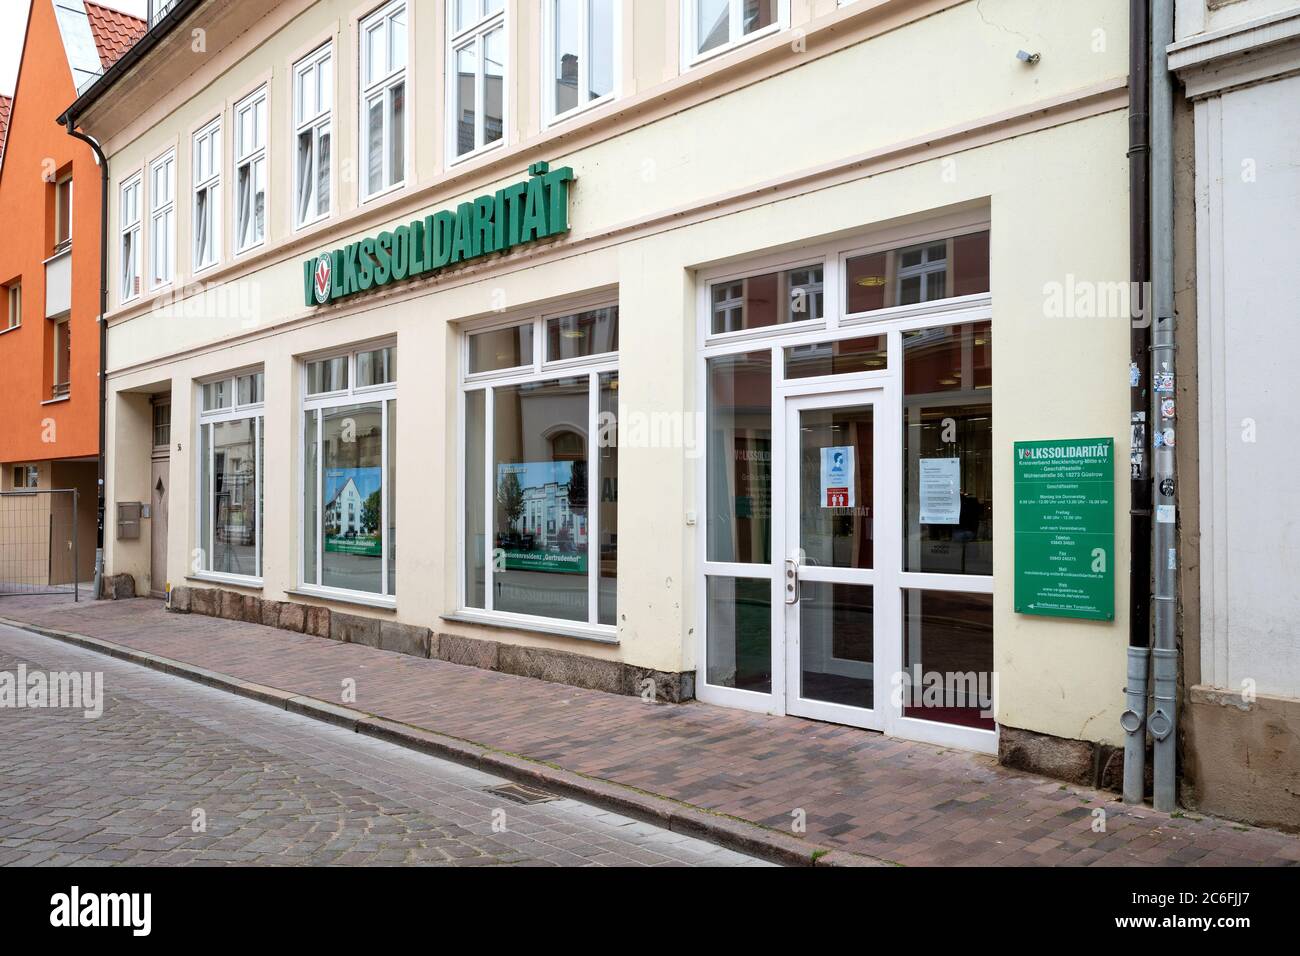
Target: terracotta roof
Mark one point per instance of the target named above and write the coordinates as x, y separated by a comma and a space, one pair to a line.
6, 107
115, 32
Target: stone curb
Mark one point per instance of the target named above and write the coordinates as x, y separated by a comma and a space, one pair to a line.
682, 818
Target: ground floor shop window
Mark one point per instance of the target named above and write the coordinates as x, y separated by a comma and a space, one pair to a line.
230, 450
541, 469
349, 473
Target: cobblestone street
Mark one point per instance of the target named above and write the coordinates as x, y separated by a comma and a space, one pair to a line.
272, 787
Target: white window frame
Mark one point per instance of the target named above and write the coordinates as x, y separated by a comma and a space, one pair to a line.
130, 228
547, 87
207, 139
475, 34
383, 85
690, 21
317, 124
836, 325
162, 210
256, 411
246, 156
320, 402
535, 369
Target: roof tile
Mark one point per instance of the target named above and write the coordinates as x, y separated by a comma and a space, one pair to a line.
115, 32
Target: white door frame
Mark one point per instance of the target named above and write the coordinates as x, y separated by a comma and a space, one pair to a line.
882, 576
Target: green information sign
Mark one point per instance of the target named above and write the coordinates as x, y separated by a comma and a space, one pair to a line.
1065, 528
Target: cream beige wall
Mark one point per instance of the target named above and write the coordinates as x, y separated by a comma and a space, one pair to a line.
703, 181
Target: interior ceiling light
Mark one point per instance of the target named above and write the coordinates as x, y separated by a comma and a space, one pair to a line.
872, 282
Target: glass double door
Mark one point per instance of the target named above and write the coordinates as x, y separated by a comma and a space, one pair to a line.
837, 516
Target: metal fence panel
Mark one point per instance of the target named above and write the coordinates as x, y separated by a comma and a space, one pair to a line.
38, 542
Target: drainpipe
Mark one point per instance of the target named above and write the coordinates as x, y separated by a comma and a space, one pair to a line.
1133, 720
1163, 722
102, 161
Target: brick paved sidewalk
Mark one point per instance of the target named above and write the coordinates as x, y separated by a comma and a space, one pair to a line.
897, 801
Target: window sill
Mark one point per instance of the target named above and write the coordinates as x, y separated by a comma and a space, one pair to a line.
598, 634
234, 580
12, 328
56, 401
344, 597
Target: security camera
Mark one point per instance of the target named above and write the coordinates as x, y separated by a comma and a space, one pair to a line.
1026, 57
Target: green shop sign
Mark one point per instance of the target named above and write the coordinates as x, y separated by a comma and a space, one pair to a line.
536, 208
1065, 528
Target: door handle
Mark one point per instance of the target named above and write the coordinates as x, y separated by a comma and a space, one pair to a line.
791, 581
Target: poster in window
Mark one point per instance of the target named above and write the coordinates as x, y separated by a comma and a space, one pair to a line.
940, 485
542, 516
838, 477
354, 511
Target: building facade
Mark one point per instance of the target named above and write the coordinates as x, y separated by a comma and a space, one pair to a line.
50, 295
649, 347
1239, 65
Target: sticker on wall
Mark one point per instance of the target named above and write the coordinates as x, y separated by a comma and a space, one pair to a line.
1134, 375
1158, 439
1166, 514
837, 477
1173, 560
1168, 436
940, 487
1164, 382
1167, 487
1167, 408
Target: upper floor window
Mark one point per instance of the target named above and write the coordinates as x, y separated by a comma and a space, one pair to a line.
63, 213
713, 26
207, 195
580, 54
477, 69
313, 103
162, 220
250, 171
61, 358
27, 476
129, 219
13, 300
941, 269
383, 99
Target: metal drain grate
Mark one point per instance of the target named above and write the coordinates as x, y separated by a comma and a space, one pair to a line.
518, 793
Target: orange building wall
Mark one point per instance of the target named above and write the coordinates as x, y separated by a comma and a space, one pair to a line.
37, 145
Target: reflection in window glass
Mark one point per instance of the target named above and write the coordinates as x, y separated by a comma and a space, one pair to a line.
921, 273
869, 354
376, 367
739, 634
475, 532
327, 375
607, 482
587, 333
951, 635
229, 516
947, 450
712, 24
837, 643
775, 298
501, 348
540, 525
740, 458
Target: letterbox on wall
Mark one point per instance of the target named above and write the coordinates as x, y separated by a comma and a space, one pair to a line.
128, 520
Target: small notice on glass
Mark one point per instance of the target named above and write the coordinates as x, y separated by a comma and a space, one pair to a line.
940, 482
837, 477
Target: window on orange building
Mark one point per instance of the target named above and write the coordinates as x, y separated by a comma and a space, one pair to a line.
63, 213
13, 295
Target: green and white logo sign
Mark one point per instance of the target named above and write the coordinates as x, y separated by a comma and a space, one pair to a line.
1065, 528
530, 210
